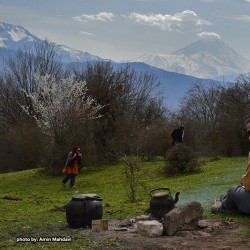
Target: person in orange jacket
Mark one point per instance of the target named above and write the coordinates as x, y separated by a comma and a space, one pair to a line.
237, 199
72, 165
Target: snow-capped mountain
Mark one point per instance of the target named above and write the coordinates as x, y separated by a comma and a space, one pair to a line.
13, 37
206, 58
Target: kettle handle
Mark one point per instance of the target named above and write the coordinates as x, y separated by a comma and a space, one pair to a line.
150, 193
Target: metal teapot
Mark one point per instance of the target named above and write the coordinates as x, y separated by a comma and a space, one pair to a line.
162, 202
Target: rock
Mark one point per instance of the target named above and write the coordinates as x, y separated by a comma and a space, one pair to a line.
151, 228
211, 223
202, 234
203, 224
11, 197
142, 217
182, 218
126, 223
120, 229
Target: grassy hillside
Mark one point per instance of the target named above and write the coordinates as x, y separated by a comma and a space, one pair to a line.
36, 214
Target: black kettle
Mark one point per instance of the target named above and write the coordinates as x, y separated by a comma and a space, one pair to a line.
162, 202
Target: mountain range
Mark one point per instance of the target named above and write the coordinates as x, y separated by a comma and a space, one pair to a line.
201, 61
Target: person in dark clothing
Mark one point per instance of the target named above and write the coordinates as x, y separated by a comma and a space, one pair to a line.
177, 135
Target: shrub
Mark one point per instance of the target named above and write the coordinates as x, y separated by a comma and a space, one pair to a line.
131, 175
154, 140
181, 159
22, 147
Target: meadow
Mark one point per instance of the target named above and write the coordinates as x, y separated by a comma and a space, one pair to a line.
37, 214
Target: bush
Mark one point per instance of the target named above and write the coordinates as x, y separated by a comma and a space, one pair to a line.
22, 147
131, 175
181, 159
154, 140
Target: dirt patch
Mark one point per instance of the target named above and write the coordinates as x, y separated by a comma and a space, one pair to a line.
215, 234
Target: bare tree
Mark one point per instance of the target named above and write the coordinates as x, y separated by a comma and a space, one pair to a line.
130, 103
215, 117
18, 75
234, 110
201, 103
200, 111
19, 133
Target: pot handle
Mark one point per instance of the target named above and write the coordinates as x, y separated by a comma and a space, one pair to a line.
150, 193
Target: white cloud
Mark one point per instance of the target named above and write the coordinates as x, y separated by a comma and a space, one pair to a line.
208, 1
243, 18
87, 34
101, 17
186, 21
209, 34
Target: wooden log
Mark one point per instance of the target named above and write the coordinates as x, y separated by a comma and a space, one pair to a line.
99, 225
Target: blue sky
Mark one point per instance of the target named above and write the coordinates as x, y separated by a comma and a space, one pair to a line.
126, 29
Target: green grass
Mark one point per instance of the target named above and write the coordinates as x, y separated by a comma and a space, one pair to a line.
36, 214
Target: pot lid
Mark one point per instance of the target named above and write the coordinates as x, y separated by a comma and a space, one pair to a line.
84, 196
161, 194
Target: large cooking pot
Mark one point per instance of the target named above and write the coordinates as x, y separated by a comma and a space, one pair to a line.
162, 202
82, 209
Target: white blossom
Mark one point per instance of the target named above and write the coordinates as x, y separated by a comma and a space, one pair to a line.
58, 103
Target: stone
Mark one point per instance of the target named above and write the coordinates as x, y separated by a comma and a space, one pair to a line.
202, 234
203, 224
210, 223
122, 229
142, 217
125, 223
11, 197
184, 217
151, 228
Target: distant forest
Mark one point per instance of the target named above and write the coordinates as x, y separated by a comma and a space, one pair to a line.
46, 109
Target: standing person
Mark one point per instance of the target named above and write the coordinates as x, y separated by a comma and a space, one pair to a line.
237, 199
72, 165
177, 135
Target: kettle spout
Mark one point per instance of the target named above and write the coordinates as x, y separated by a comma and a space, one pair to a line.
176, 197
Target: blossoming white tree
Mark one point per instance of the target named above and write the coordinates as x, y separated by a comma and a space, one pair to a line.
58, 105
